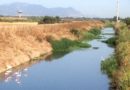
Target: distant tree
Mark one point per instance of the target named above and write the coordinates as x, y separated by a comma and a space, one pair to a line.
115, 18
50, 20
58, 19
127, 21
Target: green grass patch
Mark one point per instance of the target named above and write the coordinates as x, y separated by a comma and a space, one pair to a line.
95, 31
67, 45
85, 34
111, 41
90, 35
109, 66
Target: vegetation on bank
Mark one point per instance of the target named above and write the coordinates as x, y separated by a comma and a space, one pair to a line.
70, 45
118, 68
109, 66
109, 23
86, 35
127, 21
111, 41
95, 31
67, 45
91, 34
123, 58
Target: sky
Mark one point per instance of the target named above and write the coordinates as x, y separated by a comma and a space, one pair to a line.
89, 8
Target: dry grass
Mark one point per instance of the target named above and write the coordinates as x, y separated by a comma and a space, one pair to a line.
21, 42
17, 23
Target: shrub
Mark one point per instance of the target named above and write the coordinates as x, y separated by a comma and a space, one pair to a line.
95, 31
109, 66
127, 21
111, 41
76, 32
49, 20
88, 36
92, 34
124, 35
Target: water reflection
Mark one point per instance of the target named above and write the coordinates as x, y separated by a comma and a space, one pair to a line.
56, 55
15, 74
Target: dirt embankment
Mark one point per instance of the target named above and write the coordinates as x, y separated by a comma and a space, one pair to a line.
19, 43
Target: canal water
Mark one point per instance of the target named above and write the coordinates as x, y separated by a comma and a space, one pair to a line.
77, 70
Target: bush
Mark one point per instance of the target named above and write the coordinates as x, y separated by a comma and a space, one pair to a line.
50, 20
76, 32
127, 21
109, 66
111, 41
88, 36
124, 35
92, 34
95, 31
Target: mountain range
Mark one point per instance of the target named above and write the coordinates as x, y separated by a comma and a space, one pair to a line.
37, 10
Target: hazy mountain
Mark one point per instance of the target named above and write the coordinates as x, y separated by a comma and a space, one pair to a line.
37, 10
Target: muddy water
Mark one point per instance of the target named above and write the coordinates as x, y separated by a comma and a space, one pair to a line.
78, 70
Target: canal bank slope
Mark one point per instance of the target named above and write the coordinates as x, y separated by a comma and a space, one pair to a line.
117, 67
21, 43
122, 74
